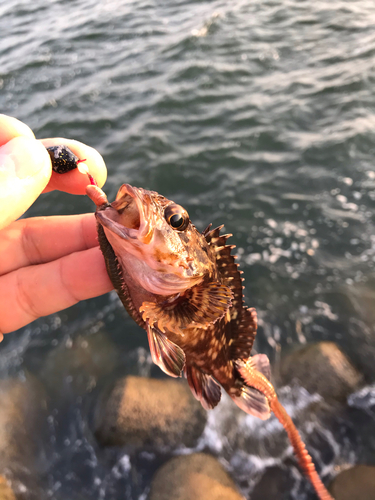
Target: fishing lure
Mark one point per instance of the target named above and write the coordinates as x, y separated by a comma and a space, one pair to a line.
64, 160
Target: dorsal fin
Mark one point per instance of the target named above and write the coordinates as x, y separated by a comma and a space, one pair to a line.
261, 363
226, 264
242, 327
207, 230
245, 331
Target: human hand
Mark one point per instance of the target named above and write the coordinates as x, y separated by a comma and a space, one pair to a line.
26, 170
46, 263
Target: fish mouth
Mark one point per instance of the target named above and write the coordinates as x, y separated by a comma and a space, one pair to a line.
132, 225
129, 216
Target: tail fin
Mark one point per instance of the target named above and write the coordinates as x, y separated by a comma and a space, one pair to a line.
251, 400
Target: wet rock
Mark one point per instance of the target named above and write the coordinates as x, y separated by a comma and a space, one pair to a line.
6, 492
355, 483
362, 300
140, 411
22, 422
320, 368
360, 345
193, 477
22, 409
75, 366
276, 483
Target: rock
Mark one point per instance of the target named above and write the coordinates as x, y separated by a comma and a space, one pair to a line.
357, 482
22, 413
362, 301
142, 411
276, 484
193, 477
6, 492
320, 368
359, 343
75, 366
22, 422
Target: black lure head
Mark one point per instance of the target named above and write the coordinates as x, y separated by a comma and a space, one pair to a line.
63, 159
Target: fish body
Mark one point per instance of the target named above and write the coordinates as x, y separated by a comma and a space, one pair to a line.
185, 289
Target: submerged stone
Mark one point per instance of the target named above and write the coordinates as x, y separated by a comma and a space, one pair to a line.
321, 368
6, 492
193, 477
22, 422
357, 483
276, 483
140, 411
74, 367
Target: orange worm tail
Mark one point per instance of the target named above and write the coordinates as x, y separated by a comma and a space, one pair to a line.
91, 179
258, 381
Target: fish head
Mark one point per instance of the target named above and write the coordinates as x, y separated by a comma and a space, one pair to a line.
154, 241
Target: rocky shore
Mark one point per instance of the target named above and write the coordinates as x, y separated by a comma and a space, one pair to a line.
161, 416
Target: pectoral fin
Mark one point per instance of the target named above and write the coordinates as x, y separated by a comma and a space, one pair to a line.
200, 306
203, 386
168, 356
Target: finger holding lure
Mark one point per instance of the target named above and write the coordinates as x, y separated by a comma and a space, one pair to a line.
185, 289
69, 160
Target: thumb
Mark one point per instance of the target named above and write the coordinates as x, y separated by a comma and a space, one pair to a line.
25, 169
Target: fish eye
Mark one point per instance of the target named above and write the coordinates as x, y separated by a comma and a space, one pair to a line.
177, 217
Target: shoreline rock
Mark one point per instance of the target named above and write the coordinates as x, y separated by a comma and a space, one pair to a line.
22, 424
357, 483
140, 411
320, 368
6, 491
193, 477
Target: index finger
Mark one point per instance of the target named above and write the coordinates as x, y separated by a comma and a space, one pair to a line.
38, 240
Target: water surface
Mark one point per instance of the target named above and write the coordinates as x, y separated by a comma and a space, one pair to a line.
255, 114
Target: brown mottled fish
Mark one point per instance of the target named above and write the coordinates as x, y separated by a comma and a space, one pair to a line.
185, 289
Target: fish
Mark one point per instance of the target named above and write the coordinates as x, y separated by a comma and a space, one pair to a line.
185, 289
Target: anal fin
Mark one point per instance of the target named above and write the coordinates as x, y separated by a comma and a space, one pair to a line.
203, 387
253, 402
168, 356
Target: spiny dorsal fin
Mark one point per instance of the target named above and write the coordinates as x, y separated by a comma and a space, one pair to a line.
200, 306
246, 329
226, 264
242, 327
168, 356
209, 233
207, 230
203, 387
